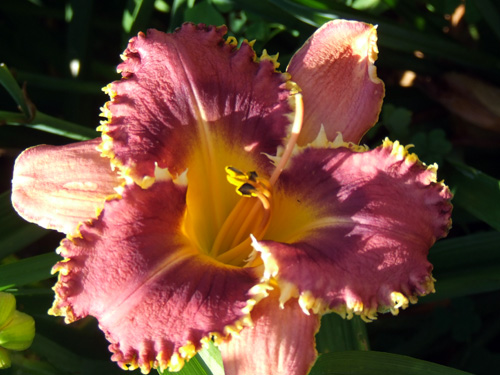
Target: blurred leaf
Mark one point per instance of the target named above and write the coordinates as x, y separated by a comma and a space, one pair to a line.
469, 251
67, 362
476, 192
15, 233
223, 6
431, 147
396, 120
466, 283
337, 334
237, 21
37, 119
204, 12
136, 17
391, 35
466, 320
267, 11
78, 34
491, 14
377, 363
28, 270
466, 265
374, 6
66, 85
177, 14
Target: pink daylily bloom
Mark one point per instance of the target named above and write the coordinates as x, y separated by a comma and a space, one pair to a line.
165, 253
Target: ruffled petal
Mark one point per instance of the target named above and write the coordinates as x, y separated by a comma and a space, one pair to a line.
189, 95
281, 341
354, 229
335, 70
155, 296
58, 187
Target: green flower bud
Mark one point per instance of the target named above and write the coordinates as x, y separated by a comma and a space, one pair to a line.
17, 329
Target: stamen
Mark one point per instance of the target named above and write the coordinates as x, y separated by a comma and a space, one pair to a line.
250, 185
233, 244
296, 128
237, 254
250, 219
247, 216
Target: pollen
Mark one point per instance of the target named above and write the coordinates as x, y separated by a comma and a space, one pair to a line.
250, 185
249, 219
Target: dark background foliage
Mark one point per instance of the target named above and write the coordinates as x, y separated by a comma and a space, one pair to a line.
441, 64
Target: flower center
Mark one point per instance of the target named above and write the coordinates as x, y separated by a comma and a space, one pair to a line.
249, 217
227, 238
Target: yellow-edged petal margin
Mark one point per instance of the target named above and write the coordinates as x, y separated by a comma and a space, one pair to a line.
156, 297
352, 229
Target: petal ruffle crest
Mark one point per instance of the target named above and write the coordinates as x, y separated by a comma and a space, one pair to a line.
281, 341
362, 226
335, 70
192, 92
155, 297
57, 187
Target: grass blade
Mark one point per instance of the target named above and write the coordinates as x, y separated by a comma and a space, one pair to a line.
27, 270
476, 192
15, 233
10, 84
377, 363
50, 124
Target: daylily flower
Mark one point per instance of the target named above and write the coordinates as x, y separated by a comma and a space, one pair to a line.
17, 329
238, 206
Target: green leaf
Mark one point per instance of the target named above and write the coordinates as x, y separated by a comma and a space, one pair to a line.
50, 124
67, 362
391, 35
396, 120
432, 146
466, 282
15, 233
466, 265
66, 85
38, 120
469, 251
337, 334
213, 359
490, 14
27, 270
377, 363
177, 14
10, 84
136, 17
208, 361
195, 366
204, 12
476, 192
